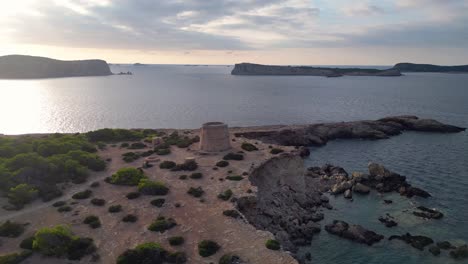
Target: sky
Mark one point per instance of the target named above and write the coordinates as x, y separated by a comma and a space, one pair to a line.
307, 32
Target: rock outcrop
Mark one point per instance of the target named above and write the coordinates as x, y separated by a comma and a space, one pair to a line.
418, 242
320, 134
353, 232
258, 69
413, 67
428, 213
30, 67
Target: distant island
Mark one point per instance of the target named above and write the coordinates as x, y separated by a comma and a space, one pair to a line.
258, 69
413, 67
32, 67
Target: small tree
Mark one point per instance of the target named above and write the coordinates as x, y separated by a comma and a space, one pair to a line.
22, 194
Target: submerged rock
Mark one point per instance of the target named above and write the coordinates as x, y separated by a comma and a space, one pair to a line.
388, 221
428, 213
435, 250
460, 252
361, 188
418, 242
353, 232
445, 245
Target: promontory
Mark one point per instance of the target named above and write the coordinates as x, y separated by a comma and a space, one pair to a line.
32, 67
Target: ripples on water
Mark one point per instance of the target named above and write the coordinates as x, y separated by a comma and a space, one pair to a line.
185, 97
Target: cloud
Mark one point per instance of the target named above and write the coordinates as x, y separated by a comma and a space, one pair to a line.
363, 9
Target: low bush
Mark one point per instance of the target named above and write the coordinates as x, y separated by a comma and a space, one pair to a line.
152, 187
161, 224
127, 176
124, 145
163, 151
235, 178
115, 208
158, 202
64, 208
177, 257
133, 195
130, 218
82, 195
11, 229
226, 195
15, 258
137, 145
49, 192
229, 259
143, 254
98, 202
248, 147
233, 156
27, 243
222, 163
94, 185
92, 221
176, 240
196, 175
183, 177
196, 192
114, 135
272, 244
207, 248
80, 247
190, 165
231, 213
130, 157
167, 164
275, 151
59, 204
22, 194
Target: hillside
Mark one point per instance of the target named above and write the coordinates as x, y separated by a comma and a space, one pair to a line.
413, 67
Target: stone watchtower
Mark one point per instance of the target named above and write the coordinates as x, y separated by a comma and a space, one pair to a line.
214, 137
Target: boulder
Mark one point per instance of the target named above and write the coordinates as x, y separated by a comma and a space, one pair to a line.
361, 188
388, 221
340, 187
348, 194
428, 213
418, 242
378, 170
353, 232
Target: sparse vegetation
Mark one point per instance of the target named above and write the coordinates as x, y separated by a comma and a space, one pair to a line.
248, 147
222, 163
272, 244
196, 175
27, 243
59, 204
231, 213
127, 176
137, 145
183, 177
189, 165
152, 187
92, 221
98, 202
11, 229
115, 208
82, 195
167, 164
176, 240
15, 258
226, 195
161, 224
235, 178
64, 208
130, 218
158, 202
196, 192
233, 156
275, 151
207, 248
133, 195
130, 157
150, 253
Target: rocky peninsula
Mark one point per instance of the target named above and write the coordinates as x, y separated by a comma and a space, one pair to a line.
414, 67
258, 69
31, 67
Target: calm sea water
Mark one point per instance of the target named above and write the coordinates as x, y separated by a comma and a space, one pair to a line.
161, 96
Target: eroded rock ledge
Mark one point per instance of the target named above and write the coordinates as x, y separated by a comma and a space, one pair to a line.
320, 134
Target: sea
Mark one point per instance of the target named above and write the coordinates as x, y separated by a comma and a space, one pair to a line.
185, 96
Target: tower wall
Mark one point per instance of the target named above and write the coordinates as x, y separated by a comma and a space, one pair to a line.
214, 137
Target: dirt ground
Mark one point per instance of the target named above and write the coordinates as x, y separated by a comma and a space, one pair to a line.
196, 220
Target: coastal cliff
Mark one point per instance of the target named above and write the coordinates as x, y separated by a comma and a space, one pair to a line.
258, 69
413, 67
31, 67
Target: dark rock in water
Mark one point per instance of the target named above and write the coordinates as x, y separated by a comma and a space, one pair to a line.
445, 245
435, 250
388, 201
304, 152
361, 188
353, 232
413, 191
388, 221
348, 194
460, 252
418, 242
428, 213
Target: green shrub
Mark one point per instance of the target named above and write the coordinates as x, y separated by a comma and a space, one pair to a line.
82, 195
226, 195
49, 192
235, 178
22, 194
176, 240
64, 208
143, 254
161, 224
196, 192
248, 147
272, 244
53, 241
207, 248
275, 151
11, 229
152, 188
137, 145
130, 218
190, 165
163, 151
80, 247
124, 145
176, 257
94, 185
231, 213
127, 176
167, 164
26, 243
92, 221
222, 163
15, 258
158, 202
229, 259
115, 208
130, 157
233, 156
133, 195
183, 177
59, 204
98, 202
196, 175
113, 135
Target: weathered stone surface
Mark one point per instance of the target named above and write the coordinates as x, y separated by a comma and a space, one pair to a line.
418, 242
353, 232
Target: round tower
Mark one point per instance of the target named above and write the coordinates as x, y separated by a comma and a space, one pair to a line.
214, 137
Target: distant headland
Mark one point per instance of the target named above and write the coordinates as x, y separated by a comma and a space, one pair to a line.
413, 67
32, 67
